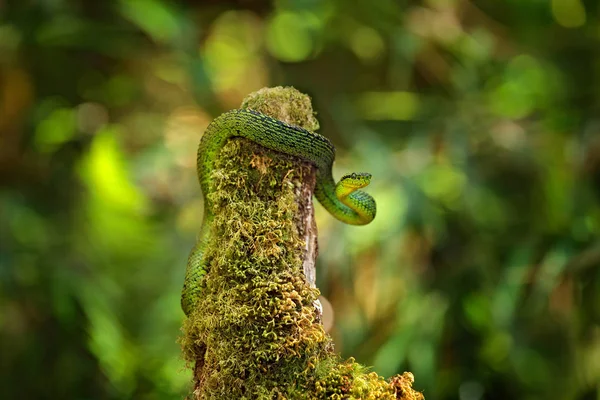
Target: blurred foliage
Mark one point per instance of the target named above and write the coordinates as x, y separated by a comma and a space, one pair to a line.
478, 119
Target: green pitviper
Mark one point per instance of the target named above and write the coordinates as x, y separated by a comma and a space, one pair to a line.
344, 201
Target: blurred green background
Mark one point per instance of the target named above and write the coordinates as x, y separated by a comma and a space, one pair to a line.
480, 121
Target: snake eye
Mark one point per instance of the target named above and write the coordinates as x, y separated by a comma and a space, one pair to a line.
353, 176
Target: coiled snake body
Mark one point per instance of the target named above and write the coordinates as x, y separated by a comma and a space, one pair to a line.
344, 201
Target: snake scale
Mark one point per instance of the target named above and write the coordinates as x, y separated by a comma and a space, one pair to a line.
342, 200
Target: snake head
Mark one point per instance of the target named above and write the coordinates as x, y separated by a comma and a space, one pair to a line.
356, 180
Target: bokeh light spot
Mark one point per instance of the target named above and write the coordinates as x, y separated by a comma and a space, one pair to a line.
233, 54
289, 36
524, 87
367, 44
106, 173
568, 13
56, 129
443, 183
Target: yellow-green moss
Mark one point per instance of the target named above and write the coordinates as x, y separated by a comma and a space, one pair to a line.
255, 333
284, 103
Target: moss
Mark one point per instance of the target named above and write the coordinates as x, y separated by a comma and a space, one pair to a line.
286, 104
256, 333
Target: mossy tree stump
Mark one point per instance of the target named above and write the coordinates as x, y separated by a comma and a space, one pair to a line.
256, 332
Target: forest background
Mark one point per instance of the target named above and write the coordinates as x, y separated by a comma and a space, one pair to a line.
479, 120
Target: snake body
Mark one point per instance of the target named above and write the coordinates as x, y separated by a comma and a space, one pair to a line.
344, 201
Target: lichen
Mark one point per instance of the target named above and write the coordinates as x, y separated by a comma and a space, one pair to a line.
255, 334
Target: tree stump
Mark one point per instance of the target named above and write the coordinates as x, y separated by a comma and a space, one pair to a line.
257, 333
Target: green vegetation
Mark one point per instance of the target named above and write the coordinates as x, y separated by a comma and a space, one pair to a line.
478, 120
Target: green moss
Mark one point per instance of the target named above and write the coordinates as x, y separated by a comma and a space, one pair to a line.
255, 334
284, 103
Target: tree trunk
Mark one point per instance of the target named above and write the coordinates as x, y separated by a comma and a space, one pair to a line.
256, 332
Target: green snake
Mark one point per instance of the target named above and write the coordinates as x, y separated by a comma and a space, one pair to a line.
344, 201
